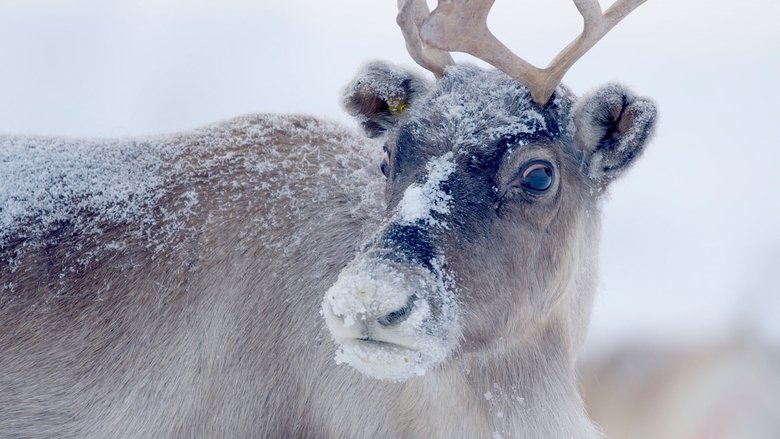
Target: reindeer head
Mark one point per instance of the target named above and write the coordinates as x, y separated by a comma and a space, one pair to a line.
492, 214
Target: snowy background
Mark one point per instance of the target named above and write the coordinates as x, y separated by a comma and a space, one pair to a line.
691, 238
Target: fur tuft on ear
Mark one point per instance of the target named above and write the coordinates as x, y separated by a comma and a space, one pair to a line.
380, 94
613, 127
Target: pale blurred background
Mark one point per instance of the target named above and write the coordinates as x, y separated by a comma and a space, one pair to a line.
686, 331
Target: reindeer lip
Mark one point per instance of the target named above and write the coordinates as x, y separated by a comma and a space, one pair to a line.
379, 353
380, 343
382, 360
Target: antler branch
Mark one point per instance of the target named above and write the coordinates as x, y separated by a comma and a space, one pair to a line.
461, 25
595, 26
411, 14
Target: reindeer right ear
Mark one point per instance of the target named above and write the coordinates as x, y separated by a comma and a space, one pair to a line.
613, 127
380, 94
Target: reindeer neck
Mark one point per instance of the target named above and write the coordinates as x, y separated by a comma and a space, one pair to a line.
527, 390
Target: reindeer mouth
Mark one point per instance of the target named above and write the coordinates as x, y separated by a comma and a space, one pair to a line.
379, 344
376, 342
382, 359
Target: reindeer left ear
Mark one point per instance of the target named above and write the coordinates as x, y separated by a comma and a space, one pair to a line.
380, 94
613, 127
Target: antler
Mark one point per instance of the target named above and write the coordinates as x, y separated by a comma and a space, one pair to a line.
411, 14
461, 25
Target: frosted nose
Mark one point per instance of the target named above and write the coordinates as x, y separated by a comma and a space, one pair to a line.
380, 296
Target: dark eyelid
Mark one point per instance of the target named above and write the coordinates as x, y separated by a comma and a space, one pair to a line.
531, 166
531, 163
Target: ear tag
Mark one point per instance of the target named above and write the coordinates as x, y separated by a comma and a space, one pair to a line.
396, 107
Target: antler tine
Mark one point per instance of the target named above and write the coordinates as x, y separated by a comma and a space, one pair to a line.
461, 25
411, 14
595, 26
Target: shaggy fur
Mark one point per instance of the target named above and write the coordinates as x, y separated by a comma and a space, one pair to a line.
202, 319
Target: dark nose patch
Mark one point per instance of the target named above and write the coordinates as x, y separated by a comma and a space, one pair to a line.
410, 243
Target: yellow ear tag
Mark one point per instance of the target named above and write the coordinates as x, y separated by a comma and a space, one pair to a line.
397, 107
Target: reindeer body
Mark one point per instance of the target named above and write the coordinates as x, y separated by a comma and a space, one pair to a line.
197, 313
160, 326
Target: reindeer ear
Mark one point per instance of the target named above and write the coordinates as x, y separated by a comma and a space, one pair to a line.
380, 94
613, 127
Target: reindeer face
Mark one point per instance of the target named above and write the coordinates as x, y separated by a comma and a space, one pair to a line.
491, 206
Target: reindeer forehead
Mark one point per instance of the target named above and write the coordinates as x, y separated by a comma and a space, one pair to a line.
481, 113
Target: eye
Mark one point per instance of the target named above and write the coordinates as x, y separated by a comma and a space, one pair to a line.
535, 177
385, 165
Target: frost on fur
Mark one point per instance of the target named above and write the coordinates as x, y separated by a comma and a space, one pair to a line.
422, 202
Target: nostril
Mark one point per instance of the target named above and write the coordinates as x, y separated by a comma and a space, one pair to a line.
399, 315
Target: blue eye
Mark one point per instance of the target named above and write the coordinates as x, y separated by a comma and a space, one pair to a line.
535, 177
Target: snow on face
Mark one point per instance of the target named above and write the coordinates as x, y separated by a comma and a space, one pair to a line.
470, 111
420, 202
371, 288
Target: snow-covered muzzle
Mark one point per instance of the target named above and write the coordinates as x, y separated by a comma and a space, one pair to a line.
392, 310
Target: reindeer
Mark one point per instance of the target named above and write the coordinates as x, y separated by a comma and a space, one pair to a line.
258, 278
